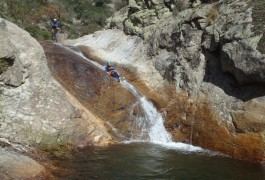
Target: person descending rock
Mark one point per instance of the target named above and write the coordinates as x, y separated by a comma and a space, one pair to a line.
55, 27
111, 71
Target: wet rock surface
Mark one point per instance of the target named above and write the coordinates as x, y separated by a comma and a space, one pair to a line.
95, 90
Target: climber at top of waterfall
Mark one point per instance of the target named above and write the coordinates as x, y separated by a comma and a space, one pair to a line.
111, 71
55, 28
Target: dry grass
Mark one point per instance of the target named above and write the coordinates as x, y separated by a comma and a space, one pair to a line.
212, 16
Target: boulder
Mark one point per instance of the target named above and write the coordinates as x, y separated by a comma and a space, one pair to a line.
35, 109
16, 166
244, 61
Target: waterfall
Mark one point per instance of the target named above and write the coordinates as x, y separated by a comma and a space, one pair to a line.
151, 122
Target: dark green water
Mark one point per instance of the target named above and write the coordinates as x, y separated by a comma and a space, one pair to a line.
149, 161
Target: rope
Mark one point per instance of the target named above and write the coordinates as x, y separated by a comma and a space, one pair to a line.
113, 98
193, 113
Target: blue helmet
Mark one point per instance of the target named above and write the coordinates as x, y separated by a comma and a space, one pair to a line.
108, 62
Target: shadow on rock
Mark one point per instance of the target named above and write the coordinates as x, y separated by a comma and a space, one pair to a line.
228, 83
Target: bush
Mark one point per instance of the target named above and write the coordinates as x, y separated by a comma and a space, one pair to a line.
22, 10
92, 13
28, 13
37, 33
44, 34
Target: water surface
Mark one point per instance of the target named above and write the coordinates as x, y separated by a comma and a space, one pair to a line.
152, 161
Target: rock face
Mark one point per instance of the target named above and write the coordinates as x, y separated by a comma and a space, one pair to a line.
34, 107
214, 56
13, 165
96, 90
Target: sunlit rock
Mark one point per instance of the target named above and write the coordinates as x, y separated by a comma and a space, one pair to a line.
34, 107
213, 54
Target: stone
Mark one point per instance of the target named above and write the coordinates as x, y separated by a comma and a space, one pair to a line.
16, 166
14, 76
117, 20
251, 119
211, 39
196, 3
243, 61
31, 100
165, 64
156, 2
2, 24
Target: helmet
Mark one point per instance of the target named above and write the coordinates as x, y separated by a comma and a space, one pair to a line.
108, 62
54, 19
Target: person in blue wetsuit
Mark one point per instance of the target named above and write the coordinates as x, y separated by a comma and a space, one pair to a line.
55, 27
111, 71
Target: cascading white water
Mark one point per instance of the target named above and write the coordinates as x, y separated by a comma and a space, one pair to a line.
157, 131
152, 121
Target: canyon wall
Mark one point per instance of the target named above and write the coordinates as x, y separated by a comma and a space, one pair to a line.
212, 56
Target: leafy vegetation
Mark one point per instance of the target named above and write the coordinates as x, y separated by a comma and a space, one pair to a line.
37, 33
77, 17
92, 13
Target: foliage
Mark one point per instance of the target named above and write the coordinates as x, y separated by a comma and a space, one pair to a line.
92, 13
34, 31
101, 2
22, 10
34, 15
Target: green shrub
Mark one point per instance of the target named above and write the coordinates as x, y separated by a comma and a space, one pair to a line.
92, 13
32, 14
44, 34
72, 33
37, 33
22, 10
32, 29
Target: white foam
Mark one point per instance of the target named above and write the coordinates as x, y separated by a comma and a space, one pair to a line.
172, 145
180, 146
